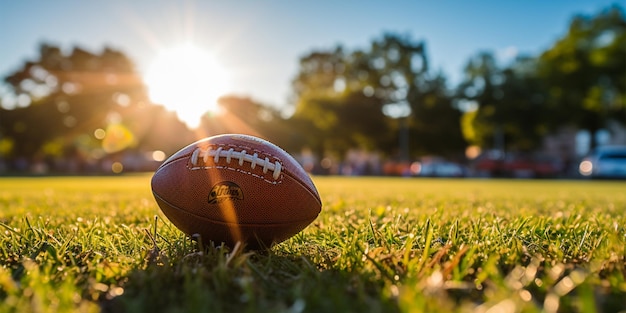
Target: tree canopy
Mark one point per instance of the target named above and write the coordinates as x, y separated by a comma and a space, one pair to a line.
84, 107
370, 97
579, 82
92, 108
585, 71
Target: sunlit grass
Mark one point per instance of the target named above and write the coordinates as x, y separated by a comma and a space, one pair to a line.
379, 245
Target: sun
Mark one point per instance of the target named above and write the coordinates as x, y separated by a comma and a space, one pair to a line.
187, 80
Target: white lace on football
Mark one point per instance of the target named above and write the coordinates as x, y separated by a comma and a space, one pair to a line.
241, 156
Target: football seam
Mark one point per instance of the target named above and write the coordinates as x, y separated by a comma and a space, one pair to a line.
206, 153
170, 161
193, 167
227, 223
312, 191
243, 172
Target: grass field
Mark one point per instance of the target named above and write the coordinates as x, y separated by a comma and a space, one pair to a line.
380, 245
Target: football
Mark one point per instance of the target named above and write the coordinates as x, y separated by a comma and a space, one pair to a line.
236, 188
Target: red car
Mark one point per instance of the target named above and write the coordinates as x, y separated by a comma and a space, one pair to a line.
495, 164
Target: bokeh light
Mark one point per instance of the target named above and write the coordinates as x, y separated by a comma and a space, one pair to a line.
585, 168
117, 167
99, 133
117, 138
158, 155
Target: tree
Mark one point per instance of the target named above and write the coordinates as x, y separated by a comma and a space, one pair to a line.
580, 82
368, 98
67, 103
585, 71
244, 115
509, 110
436, 122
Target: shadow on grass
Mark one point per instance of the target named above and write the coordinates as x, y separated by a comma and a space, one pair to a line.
224, 280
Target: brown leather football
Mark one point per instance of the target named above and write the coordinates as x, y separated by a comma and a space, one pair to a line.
233, 187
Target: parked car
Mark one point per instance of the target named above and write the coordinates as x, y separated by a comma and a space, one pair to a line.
518, 165
437, 167
605, 162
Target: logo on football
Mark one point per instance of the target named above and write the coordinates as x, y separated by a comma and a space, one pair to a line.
236, 188
225, 190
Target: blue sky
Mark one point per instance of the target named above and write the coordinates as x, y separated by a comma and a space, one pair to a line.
260, 41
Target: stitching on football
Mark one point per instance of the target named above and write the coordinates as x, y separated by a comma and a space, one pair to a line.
209, 157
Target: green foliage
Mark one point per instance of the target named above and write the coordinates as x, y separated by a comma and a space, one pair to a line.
510, 102
585, 70
70, 96
383, 97
244, 115
354, 99
380, 245
580, 81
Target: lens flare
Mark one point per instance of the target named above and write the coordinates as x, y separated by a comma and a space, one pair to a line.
585, 168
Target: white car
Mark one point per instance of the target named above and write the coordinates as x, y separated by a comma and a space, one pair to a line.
435, 167
605, 162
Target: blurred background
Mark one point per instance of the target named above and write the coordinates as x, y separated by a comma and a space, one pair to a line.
529, 89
